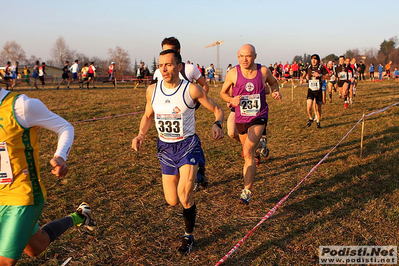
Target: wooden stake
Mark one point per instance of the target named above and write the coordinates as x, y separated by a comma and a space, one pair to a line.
116, 84
362, 136
292, 94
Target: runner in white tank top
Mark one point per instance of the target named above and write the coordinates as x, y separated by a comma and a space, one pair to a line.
170, 103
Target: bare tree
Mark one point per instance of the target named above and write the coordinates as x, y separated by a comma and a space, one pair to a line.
32, 60
100, 64
122, 60
12, 51
82, 59
61, 52
352, 53
371, 55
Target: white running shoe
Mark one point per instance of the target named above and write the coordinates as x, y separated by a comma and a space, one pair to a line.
245, 196
84, 210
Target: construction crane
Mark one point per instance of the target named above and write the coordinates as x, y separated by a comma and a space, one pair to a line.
217, 44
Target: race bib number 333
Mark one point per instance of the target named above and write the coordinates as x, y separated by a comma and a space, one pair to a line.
169, 126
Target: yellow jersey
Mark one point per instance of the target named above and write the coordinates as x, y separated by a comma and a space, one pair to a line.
23, 151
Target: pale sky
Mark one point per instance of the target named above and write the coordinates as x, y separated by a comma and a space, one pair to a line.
279, 29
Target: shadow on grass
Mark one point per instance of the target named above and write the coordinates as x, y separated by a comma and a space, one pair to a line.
376, 182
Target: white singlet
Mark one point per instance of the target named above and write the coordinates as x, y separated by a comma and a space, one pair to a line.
174, 112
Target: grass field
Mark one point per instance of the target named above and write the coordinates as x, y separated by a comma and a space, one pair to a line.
348, 200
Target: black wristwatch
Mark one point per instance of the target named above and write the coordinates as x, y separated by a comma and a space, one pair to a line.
218, 123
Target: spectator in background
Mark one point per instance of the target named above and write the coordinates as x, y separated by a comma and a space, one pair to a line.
140, 72
396, 73
65, 76
361, 69
35, 75
111, 74
287, 76
388, 70
295, 69
380, 69
26, 75
211, 75
14, 74
146, 72
199, 68
85, 76
75, 72
146, 75
92, 74
271, 68
42, 72
7, 74
371, 71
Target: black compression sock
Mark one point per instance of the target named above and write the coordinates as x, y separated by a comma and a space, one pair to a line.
189, 218
56, 228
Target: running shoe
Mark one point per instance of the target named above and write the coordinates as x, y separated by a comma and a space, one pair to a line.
186, 244
310, 121
201, 181
245, 196
264, 151
318, 125
58, 88
346, 105
84, 210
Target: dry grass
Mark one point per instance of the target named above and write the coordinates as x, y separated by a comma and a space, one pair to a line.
347, 201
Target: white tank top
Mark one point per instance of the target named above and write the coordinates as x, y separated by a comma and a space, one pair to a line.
174, 112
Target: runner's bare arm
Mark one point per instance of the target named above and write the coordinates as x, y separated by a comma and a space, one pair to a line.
201, 81
146, 120
231, 78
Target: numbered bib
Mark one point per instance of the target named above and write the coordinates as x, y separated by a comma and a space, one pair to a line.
170, 126
314, 84
6, 176
250, 105
342, 76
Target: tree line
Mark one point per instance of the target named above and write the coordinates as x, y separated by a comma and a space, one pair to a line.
387, 52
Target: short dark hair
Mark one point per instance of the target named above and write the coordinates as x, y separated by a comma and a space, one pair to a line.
342, 56
66, 62
316, 56
86, 64
176, 54
171, 41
